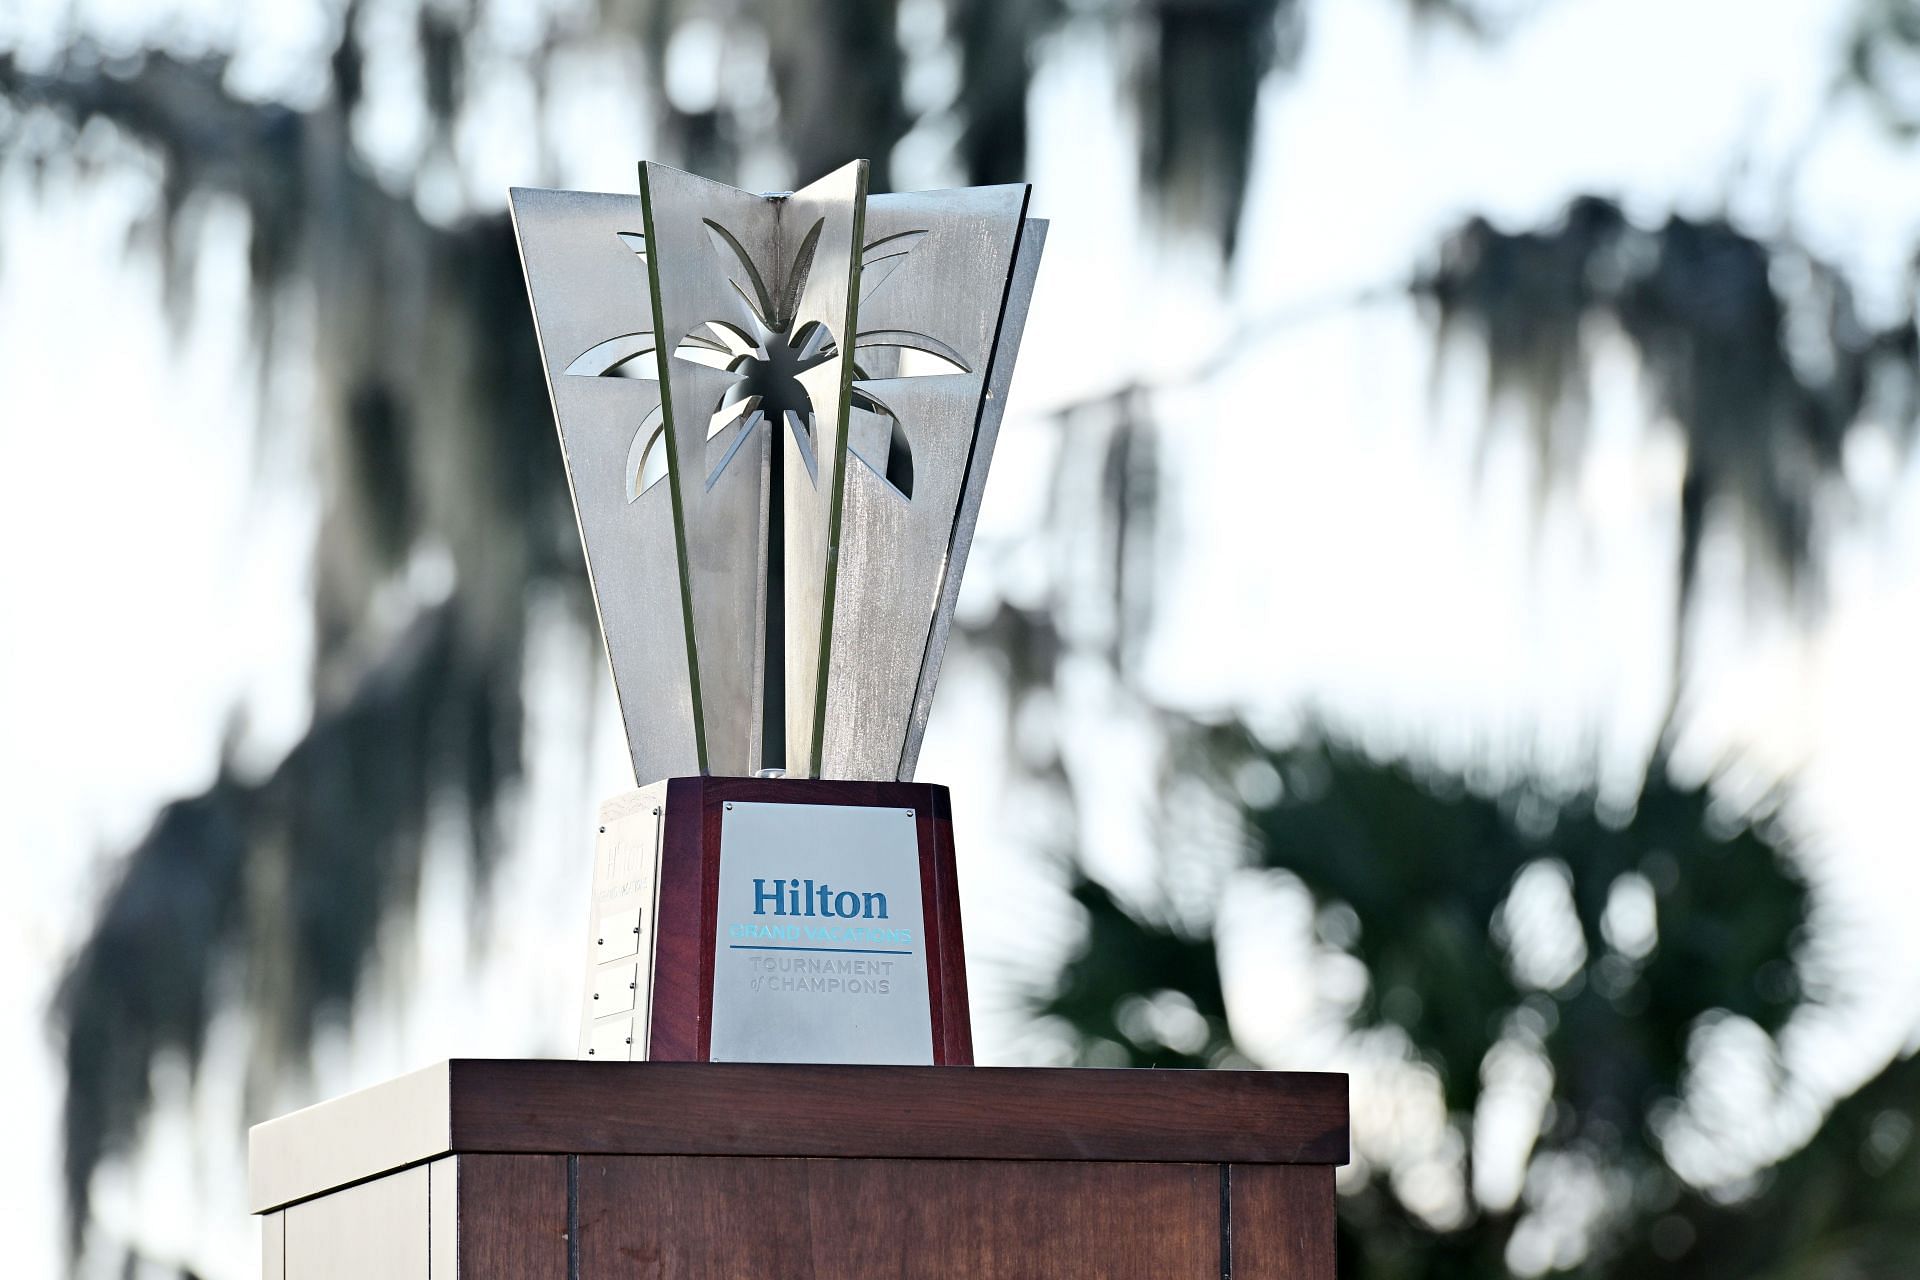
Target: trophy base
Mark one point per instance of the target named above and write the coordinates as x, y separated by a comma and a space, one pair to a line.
776, 920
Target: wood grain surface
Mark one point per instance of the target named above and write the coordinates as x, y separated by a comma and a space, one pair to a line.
572, 1170
947, 952
1282, 1222
672, 1217
524, 1106
513, 1217
682, 950
980, 1113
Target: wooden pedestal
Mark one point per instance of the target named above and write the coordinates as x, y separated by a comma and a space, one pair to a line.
517, 1170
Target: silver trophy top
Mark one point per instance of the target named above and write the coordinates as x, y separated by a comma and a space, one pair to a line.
777, 496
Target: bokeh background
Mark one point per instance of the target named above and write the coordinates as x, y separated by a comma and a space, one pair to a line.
1447, 608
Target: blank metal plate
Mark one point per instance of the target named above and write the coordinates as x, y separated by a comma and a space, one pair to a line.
613, 989
611, 1041
618, 935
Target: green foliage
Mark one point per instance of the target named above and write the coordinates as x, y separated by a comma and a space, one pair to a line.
1124, 962
1449, 896
1847, 1206
1427, 867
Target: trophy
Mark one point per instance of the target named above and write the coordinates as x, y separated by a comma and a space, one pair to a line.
777, 414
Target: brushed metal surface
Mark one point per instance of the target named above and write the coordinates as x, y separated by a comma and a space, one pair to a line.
721, 540
619, 960
816, 985
778, 414
1013, 323
587, 286
617, 934
829, 296
387, 1127
443, 1218
377, 1230
947, 290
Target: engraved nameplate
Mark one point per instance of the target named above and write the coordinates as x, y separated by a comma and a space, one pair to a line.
820, 945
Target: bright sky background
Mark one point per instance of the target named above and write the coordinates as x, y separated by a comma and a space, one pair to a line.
1336, 549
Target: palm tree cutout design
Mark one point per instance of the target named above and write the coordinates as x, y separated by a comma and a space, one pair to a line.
767, 357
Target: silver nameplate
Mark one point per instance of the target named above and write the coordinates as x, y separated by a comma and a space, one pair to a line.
820, 947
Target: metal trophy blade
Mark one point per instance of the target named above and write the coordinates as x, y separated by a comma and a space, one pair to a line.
777, 414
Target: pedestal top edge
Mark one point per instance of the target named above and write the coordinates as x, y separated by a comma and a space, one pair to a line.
475, 1105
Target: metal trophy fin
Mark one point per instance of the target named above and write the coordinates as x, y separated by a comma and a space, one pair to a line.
777, 414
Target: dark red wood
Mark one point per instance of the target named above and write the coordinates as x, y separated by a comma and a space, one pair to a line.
930, 1219
982, 1113
513, 1218
682, 981
951, 967
924, 822
1281, 1222
604, 1171
708, 816
682, 1018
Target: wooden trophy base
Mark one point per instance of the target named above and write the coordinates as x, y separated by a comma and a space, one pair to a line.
776, 920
